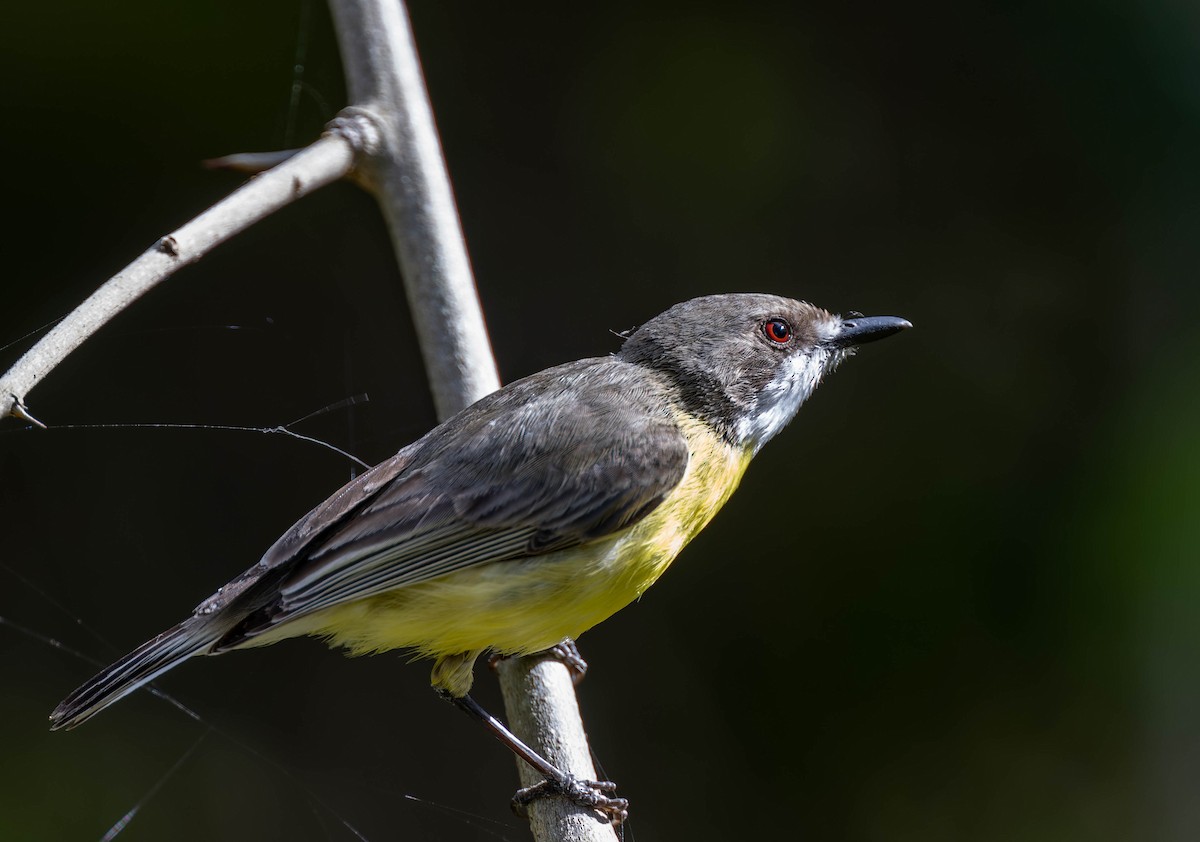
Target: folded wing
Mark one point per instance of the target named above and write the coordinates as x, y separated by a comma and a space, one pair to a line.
559, 459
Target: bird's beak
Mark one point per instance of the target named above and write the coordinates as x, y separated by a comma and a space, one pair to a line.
860, 330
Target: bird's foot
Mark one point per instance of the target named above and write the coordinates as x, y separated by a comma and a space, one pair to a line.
591, 795
565, 652
568, 653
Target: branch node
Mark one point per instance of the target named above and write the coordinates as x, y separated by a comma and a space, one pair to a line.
19, 411
361, 127
169, 245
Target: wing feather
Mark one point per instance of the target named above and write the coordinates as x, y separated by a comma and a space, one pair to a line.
558, 459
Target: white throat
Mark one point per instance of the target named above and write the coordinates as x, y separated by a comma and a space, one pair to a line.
782, 398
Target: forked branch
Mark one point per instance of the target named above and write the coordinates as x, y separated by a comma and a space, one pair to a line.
389, 141
327, 160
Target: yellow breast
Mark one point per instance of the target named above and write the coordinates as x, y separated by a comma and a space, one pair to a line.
527, 605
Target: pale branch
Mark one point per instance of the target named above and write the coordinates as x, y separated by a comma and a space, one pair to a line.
539, 696
413, 188
388, 141
331, 157
410, 182
251, 163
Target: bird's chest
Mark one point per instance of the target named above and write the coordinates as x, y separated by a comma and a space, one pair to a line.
530, 604
623, 566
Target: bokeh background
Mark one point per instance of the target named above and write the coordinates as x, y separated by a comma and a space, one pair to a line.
956, 600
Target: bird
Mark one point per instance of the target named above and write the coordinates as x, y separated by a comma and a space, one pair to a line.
530, 516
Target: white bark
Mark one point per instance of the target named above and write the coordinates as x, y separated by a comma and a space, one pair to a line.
383, 74
539, 697
388, 139
329, 159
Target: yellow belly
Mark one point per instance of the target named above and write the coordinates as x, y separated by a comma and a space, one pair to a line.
527, 605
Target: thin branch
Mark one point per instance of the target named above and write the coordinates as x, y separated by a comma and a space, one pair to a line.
539, 696
251, 163
410, 180
389, 140
327, 160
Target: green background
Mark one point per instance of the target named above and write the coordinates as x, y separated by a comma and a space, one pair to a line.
956, 600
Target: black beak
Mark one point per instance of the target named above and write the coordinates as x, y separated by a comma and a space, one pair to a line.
860, 330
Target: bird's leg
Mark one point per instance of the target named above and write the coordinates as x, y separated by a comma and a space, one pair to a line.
592, 795
567, 652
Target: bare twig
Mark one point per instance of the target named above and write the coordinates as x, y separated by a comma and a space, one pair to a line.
539, 696
251, 163
389, 140
330, 158
383, 74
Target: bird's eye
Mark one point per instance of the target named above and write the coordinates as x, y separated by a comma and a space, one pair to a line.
778, 331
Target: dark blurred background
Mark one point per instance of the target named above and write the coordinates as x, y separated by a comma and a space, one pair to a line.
954, 601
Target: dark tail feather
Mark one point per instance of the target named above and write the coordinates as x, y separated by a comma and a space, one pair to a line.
194, 636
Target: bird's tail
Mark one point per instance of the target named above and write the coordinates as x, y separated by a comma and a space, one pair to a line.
194, 636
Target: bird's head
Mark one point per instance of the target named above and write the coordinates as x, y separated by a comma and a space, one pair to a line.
746, 362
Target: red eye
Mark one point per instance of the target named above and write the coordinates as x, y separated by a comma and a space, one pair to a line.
778, 331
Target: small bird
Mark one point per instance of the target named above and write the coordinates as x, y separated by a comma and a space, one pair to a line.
531, 515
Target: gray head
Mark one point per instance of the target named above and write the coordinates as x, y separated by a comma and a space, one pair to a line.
746, 362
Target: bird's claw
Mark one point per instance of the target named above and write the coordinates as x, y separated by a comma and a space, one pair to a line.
568, 653
591, 795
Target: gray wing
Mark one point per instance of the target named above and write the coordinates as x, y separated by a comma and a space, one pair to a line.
564, 457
